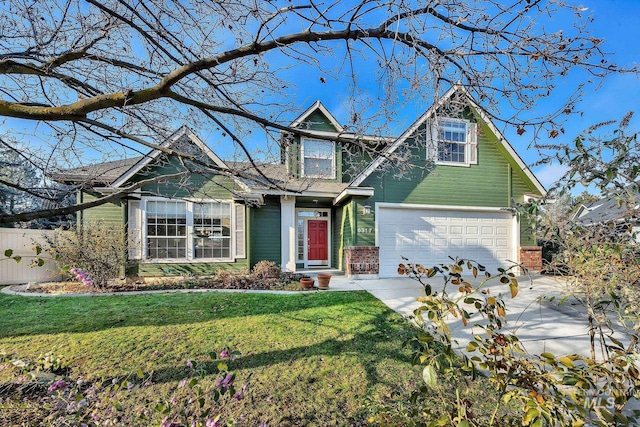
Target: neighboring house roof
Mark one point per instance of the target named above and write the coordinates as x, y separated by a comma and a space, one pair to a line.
608, 209
386, 154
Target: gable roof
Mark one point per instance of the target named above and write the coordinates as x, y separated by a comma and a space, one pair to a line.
183, 132
373, 166
605, 210
317, 106
96, 174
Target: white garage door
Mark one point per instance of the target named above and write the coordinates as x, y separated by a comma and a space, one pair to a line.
429, 237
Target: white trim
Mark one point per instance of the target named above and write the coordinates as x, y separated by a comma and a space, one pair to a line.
411, 130
470, 144
444, 207
515, 224
301, 193
351, 191
332, 175
515, 232
407, 133
305, 254
153, 154
288, 233
317, 106
189, 232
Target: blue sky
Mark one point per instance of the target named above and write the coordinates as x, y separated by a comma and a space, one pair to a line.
617, 21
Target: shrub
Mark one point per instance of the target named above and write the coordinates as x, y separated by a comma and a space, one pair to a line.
95, 252
549, 389
266, 269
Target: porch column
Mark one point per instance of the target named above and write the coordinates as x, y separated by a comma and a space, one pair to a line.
288, 232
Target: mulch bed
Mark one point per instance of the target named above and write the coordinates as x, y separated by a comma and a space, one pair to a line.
286, 281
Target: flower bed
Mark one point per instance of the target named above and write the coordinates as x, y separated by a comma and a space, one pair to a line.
284, 281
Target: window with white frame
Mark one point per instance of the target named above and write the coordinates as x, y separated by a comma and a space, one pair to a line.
184, 230
456, 142
211, 230
318, 158
166, 229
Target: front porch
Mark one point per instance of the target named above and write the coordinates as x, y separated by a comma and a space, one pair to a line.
307, 234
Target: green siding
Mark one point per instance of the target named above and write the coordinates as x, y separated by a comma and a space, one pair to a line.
315, 121
318, 121
365, 232
108, 213
484, 184
216, 187
185, 269
264, 232
338, 244
493, 182
347, 225
204, 186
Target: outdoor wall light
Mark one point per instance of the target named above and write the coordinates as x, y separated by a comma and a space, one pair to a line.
366, 210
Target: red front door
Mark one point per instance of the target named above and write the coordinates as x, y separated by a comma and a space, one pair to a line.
318, 242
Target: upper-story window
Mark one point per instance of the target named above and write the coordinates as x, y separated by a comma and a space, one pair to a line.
318, 158
457, 142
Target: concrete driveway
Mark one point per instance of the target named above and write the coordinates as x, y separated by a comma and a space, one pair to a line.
541, 326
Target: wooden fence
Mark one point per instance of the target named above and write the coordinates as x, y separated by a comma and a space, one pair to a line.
22, 242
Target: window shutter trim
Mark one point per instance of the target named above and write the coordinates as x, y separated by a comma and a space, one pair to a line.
240, 240
472, 138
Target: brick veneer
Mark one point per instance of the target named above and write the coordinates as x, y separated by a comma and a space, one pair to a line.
531, 257
361, 261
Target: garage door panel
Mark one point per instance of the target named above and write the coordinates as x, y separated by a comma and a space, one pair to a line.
431, 236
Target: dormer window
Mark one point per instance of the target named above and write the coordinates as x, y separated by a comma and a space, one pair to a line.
318, 158
456, 142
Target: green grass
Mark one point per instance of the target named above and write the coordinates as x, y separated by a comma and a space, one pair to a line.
314, 358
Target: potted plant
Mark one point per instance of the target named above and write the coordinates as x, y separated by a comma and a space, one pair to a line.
307, 282
323, 280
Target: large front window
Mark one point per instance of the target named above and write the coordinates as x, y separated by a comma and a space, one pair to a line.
167, 229
318, 158
212, 230
184, 230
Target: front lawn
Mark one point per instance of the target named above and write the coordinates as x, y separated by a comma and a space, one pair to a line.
313, 359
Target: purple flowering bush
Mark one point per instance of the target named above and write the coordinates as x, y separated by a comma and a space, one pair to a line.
82, 276
96, 251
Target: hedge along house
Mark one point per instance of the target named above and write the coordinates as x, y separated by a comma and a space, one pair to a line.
454, 198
